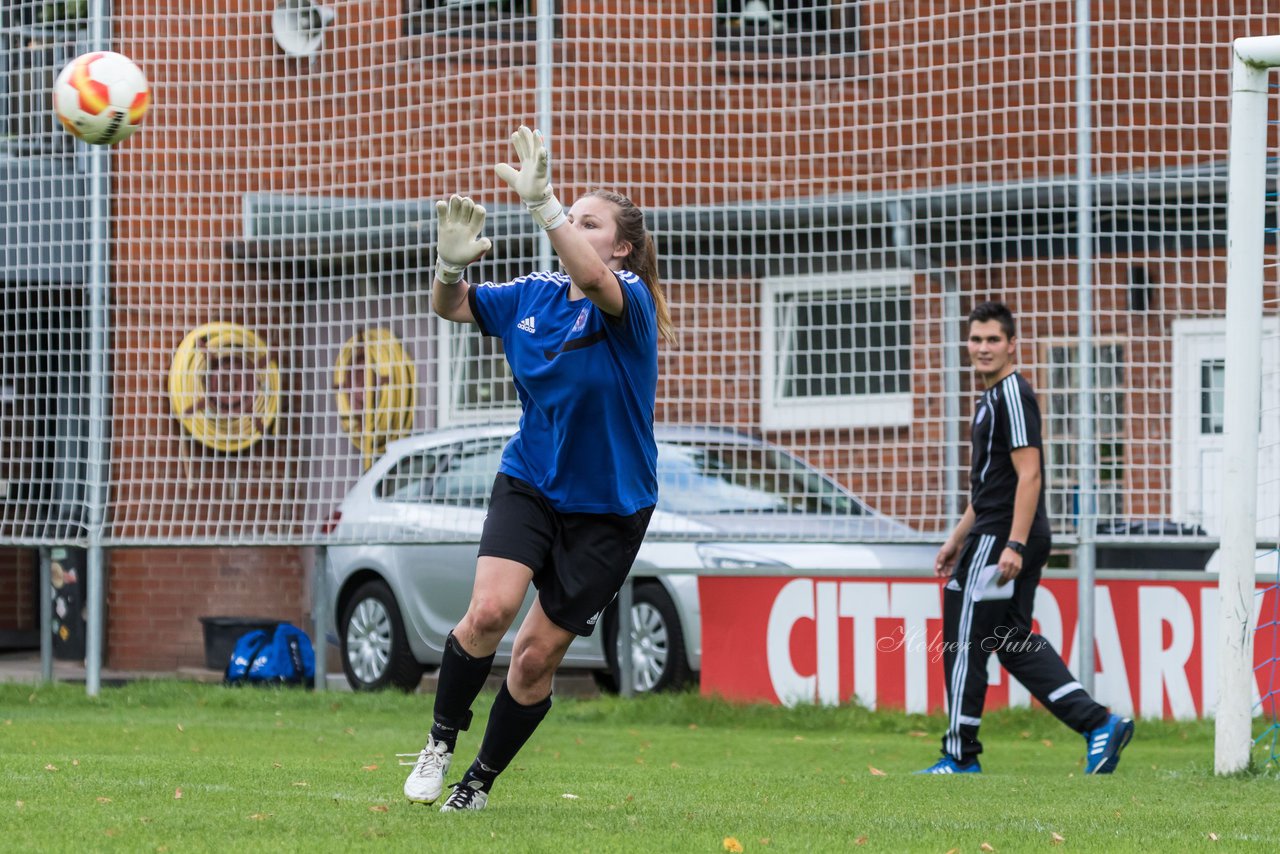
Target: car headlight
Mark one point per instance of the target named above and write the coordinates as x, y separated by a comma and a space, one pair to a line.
721, 557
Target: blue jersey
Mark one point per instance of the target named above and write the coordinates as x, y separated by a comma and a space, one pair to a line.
587, 383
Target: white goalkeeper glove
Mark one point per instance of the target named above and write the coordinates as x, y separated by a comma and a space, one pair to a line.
533, 181
458, 242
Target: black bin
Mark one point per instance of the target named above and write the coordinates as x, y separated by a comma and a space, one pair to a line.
1151, 556
221, 634
69, 588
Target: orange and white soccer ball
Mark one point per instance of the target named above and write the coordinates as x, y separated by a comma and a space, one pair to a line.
101, 97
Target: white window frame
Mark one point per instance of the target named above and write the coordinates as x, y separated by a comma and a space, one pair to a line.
851, 410
448, 366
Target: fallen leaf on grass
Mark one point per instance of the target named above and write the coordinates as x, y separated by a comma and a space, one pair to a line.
19, 804
75, 762
1047, 742
1057, 838
275, 764
181, 728
675, 764
861, 840
693, 726
876, 772
378, 808
986, 846
51, 767
104, 800
764, 840
1213, 837
301, 784
797, 738
260, 816
918, 733
732, 845
953, 851
369, 768
177, 794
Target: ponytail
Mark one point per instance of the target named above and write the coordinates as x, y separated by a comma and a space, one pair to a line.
643, 260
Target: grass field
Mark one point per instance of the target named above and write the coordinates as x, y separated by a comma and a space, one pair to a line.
176, 766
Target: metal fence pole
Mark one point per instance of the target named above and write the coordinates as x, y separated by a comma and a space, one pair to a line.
99, 179
320, 614
1085, 550
46, 617
626, 665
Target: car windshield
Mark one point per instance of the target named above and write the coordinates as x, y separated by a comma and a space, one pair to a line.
702, 478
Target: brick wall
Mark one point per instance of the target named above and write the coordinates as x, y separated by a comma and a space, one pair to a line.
156, 597
19, 609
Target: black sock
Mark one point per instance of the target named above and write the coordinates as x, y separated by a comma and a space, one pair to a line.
460, 680
510, 725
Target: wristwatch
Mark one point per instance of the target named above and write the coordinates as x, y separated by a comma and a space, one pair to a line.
1017, 547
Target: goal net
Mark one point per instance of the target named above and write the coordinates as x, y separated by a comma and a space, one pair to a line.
213, 329
831, 185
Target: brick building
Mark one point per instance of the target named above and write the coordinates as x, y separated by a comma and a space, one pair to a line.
890, 163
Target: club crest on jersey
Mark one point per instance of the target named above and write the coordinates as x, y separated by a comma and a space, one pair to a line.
527, 324
581, 322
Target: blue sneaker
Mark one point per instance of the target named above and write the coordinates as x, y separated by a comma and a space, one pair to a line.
1105, 743
948, 765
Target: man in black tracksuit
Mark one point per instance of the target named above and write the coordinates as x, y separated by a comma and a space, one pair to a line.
993, 560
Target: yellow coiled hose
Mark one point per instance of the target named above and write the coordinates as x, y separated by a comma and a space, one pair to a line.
376, 384
224, 387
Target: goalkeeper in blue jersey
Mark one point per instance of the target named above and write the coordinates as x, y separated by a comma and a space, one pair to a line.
578, 483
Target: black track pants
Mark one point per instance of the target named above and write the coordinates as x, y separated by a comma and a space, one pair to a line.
973, 629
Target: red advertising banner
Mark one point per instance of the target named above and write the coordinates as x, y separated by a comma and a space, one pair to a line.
829, 640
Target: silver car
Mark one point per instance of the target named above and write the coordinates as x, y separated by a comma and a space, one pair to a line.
726, 501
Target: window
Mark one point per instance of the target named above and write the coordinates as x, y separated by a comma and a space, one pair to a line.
483, 20
467, 477
458, 475
1062, 430
475, 380
410, 479
837, 351
1213, 378
787, 27
708, 478
37, 39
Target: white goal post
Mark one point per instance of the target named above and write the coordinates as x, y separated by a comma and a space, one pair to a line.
1253, 60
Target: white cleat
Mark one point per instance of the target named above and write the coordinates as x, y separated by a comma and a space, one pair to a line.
466, 797
426, 780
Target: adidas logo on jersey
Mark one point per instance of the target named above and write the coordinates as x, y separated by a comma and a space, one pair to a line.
526, 324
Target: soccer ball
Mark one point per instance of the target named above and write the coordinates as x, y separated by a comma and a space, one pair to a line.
101, 97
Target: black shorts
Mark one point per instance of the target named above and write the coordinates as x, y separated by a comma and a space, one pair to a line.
579, 560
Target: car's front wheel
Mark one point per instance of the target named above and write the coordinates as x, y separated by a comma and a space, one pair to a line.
375, 649
658, 658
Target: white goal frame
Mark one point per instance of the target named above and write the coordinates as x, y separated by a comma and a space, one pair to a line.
1252, 61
